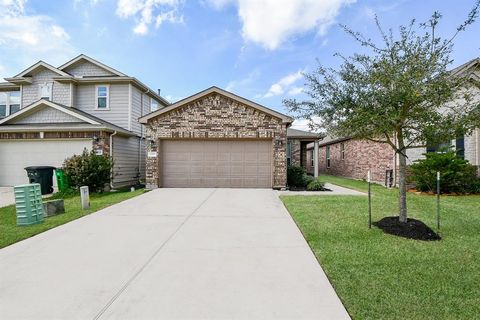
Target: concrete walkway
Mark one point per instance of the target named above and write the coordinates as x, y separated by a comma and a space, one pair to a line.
170, 254
335, 191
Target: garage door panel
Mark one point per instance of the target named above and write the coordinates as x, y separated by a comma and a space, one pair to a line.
228, 163
15, 155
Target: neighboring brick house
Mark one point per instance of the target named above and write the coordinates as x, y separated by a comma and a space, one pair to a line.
352, 158
48, 114
216, 139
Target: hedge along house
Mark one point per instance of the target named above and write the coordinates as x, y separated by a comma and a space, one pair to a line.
216, 139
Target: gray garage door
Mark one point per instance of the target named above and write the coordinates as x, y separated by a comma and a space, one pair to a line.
228, 164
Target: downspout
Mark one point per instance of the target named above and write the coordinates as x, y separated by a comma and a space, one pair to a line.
111, 156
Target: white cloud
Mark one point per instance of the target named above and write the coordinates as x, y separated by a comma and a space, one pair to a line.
148, 12
244, 82
26, 38
295, 91
307, 124
272, 22
284, 84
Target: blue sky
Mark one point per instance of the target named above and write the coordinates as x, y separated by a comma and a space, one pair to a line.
254, 48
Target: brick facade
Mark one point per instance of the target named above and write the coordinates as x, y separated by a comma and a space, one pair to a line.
215, 116
360, 156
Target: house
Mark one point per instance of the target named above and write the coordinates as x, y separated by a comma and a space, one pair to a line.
344, 156
215, 138
50, 113
353, 158
297, 153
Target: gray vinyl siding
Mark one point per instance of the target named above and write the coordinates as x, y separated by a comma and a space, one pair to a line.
118, 103
87, 69
127, 167
136, 110
47, 115
60, 91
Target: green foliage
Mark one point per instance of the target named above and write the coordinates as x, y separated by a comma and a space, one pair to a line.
88, 169
399, 91
456, 174
297, 177
316, 185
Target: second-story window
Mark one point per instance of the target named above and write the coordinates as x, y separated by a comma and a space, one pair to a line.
9, 103
153, 105
102, 97
45, 91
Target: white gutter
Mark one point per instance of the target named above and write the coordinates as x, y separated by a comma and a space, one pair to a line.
111, 156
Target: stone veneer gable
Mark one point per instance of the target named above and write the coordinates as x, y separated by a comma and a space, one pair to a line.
215, 116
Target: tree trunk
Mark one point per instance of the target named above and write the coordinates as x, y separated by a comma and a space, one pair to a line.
402, 185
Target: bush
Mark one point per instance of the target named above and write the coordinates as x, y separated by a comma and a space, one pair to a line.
316, 185
297, 176
456, 174
88, 169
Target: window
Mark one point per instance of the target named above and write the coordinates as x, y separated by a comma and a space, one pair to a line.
102, 97
457, 145
9, 103
460, 147
328, 156
153, 105
312, 162
45, 91
342, 151
289, 153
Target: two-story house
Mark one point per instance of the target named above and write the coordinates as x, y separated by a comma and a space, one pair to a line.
48, 114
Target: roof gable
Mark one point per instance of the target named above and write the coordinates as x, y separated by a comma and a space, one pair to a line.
46, 114
86, 59
219, 91
44, 111
40, 64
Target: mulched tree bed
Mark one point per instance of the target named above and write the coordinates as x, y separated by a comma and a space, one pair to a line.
412, 229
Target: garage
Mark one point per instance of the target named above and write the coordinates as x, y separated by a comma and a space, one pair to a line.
215, 138
216, 163
15, 155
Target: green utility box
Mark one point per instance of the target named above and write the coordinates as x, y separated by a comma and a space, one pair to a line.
28, 201
42, 175
62, 180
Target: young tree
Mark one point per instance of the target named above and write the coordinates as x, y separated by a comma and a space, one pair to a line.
399, 93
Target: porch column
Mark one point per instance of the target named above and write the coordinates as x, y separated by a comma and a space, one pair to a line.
315, 158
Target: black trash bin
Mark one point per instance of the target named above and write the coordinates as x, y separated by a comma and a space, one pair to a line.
42, 175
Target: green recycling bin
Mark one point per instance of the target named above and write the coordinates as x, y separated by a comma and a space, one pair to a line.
42, 175
28, 204
62, 180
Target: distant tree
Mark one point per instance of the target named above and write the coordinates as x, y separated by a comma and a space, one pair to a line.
399, 93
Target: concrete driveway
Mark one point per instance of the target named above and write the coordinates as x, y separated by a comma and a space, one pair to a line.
170, 254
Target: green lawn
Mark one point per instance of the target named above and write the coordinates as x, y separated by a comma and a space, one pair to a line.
10, 233
379, 276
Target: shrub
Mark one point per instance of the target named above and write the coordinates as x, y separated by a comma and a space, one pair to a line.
296, 176
88, 169
316, 185
456, 174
